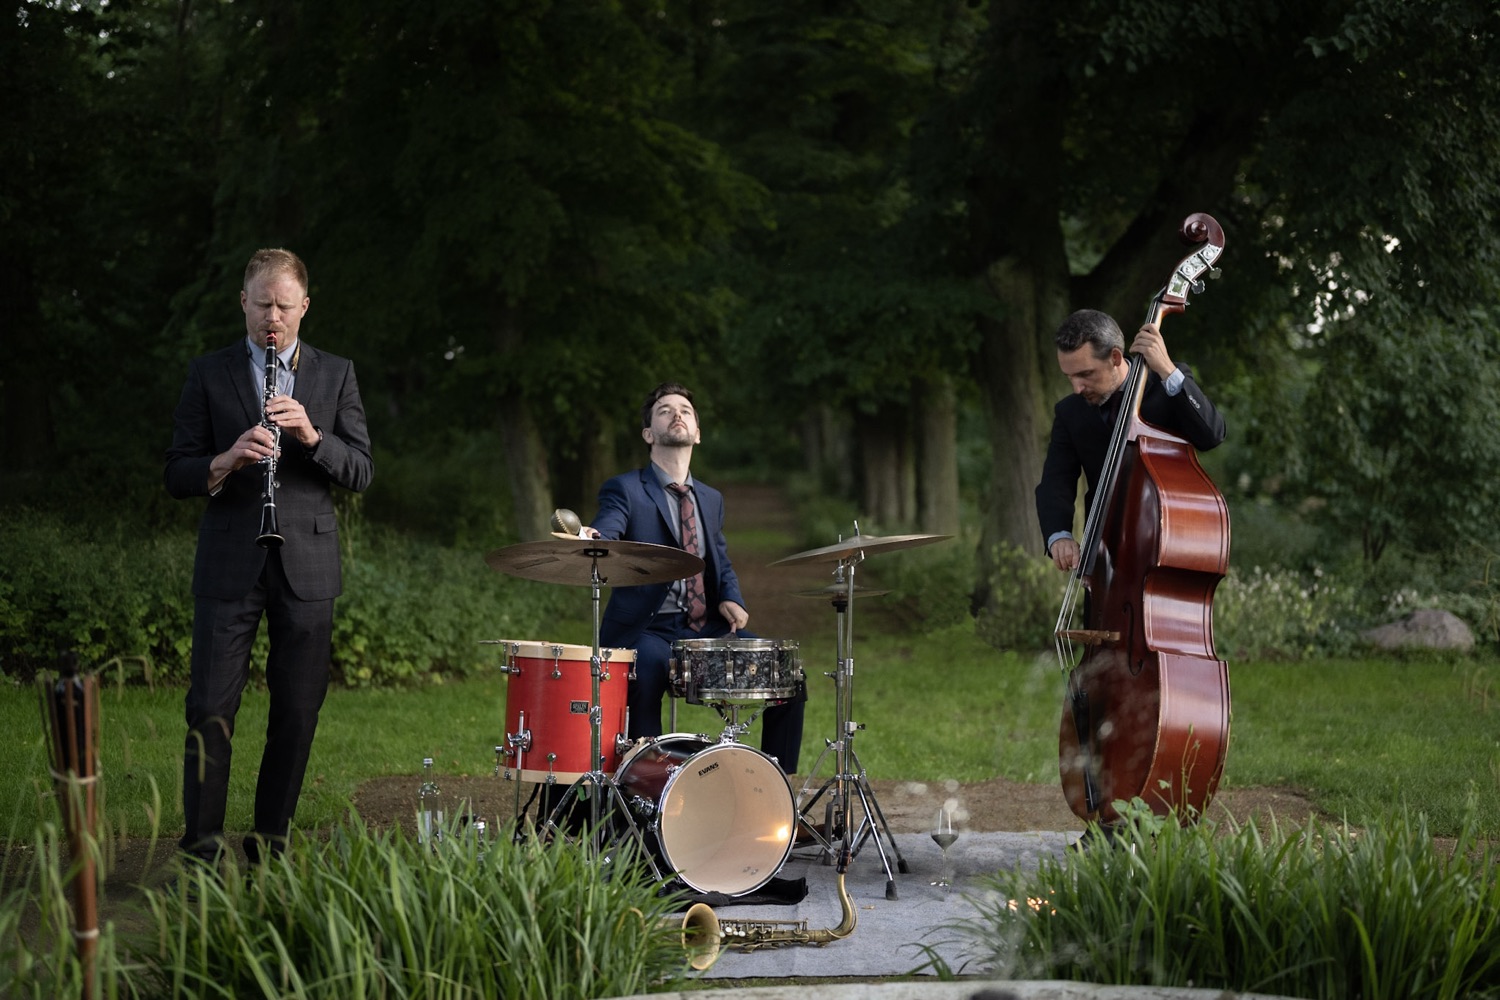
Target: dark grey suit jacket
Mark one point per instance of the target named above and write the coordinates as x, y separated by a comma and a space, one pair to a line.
219, 401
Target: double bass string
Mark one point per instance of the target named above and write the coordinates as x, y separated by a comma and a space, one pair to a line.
1093, 530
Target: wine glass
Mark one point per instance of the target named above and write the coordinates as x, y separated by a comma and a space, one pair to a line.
944, 835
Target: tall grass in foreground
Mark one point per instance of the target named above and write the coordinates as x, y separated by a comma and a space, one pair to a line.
363, 914
1318, 912
373, 914
38, 951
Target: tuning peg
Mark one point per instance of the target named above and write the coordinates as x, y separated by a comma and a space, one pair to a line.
1197, 286
1213, 272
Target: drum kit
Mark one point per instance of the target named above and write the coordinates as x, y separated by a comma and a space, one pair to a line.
715, 814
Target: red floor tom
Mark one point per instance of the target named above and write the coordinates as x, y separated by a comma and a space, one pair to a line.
548, 692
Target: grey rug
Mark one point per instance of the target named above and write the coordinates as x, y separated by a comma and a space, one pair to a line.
889, 935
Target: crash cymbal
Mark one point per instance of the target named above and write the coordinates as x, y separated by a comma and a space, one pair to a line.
868, 544
835, 589
571, 561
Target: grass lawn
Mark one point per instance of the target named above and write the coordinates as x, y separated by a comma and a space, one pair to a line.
1361, 737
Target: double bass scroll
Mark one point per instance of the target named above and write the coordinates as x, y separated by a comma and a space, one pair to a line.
1146, 713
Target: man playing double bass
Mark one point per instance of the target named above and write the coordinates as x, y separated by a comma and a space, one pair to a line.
1091, 353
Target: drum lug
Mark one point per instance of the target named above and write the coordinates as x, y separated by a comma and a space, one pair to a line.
642, 805
623, 744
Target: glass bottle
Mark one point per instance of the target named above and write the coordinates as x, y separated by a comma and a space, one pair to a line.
429, 807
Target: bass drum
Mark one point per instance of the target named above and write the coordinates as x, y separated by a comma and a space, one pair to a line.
719, 816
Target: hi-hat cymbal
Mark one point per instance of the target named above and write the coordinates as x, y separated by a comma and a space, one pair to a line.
836, 589
571, 561
867, 544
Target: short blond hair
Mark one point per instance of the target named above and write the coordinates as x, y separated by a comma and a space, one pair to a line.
276, 261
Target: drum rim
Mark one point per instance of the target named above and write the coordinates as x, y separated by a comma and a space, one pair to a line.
584, 653
708, 696
742, 645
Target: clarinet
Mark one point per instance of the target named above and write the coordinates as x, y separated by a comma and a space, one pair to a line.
270, 535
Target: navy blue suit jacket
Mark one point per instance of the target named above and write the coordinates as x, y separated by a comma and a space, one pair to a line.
635, 507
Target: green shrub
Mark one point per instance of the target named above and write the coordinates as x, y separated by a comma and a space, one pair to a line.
1281, 614
411, 610
1025, 594
94, 589
1317, 912
931, 586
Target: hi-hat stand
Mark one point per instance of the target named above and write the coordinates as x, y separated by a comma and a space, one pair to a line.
849, 780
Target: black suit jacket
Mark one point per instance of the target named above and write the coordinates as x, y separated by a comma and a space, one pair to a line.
219, 401
1080, 439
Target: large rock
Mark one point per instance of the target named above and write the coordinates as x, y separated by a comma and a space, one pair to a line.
1428, 628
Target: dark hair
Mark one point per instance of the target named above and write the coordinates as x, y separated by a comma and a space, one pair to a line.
1092, 327
276, 261
665, 389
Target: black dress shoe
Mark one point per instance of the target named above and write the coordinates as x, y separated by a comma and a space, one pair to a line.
1097, 836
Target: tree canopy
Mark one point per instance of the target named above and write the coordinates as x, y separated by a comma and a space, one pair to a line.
855, 223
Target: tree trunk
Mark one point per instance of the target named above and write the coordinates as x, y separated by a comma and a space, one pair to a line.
890, 498
826, 450
525, 454
1008, 371
597, 463
937, 460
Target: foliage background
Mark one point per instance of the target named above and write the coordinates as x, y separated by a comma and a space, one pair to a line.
852, 223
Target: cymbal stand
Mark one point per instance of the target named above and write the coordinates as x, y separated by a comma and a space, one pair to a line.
552, 827
850, 776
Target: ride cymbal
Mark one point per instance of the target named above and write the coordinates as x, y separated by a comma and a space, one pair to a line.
867, 544
571, 561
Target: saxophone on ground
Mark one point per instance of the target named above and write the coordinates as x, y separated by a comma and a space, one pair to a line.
705, 935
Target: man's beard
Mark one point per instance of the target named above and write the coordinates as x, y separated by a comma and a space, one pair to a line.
676, 436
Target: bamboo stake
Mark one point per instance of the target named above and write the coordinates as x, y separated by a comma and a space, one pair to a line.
70, 707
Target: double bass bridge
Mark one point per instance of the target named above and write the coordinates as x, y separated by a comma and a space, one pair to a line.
1088, 636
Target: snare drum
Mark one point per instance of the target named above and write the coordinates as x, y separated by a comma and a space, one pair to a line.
548, 692
713, 671
719, 816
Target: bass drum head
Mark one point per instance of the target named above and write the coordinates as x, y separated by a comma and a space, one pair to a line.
725, 820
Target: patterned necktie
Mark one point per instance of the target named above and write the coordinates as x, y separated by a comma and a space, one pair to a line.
692, 594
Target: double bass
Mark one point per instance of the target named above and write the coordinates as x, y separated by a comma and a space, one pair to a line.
1146, 711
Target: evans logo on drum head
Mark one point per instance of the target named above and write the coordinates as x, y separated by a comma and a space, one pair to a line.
712, 767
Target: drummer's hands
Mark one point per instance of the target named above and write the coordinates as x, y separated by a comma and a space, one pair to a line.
736, 616
1149, 345
589, 531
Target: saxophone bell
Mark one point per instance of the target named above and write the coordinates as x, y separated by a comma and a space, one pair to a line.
701, 937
